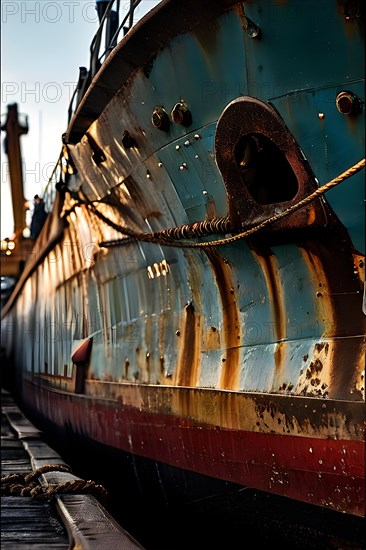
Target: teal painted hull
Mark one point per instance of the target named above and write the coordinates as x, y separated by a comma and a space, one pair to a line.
160, 312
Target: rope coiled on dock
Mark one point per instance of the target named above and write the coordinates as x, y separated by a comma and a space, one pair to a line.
26, 485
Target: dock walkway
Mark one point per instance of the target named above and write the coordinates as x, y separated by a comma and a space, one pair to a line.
60, 520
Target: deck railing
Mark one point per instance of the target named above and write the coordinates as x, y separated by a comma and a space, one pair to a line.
115, 23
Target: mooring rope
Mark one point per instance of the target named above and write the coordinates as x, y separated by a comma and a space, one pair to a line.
32, 476
26, 485
304, 202
171, 236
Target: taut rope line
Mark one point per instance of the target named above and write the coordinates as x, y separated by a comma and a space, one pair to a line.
169, 237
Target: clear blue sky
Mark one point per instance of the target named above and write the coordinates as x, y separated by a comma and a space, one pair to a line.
43, 44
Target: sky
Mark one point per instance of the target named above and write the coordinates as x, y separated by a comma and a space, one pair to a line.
43, 44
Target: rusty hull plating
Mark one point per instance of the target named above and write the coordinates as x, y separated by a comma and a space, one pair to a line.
243, 361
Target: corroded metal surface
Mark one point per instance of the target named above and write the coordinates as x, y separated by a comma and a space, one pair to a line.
277, 444
257, 185
233, 361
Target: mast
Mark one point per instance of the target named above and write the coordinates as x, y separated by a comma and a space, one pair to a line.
14, 129
15, 251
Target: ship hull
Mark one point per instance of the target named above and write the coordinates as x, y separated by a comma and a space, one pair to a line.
196, 295
298, 464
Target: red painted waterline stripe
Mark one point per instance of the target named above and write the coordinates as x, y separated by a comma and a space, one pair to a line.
324, 472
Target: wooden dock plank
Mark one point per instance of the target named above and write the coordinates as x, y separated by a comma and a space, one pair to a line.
26, 524
67, 520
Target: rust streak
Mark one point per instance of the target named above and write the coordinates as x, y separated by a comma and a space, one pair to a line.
275, 293
231, 336
188, 364
340, 303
